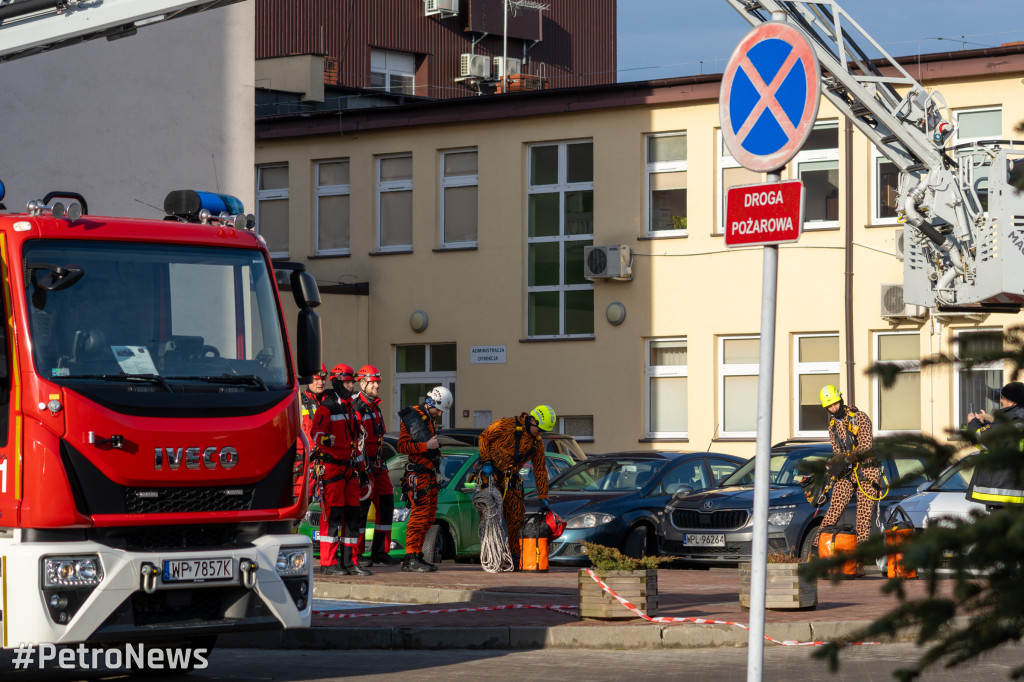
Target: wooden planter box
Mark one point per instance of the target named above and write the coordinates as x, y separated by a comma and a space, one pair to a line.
784, 588
639, 588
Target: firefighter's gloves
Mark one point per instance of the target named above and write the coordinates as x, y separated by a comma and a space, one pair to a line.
432, 444
326, 439
544, 506
487, 469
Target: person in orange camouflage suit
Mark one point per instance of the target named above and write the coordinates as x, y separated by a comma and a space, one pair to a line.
505, 446
417, 439
849, 431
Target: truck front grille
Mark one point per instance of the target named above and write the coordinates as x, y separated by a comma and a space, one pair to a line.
177, 500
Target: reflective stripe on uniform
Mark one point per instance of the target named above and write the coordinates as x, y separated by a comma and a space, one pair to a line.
377, 526
997, 495
350, 541
328, 539
339, 417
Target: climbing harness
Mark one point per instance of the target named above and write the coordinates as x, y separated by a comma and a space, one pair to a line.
495, 556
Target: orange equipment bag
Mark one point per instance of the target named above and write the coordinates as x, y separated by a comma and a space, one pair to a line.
834, 541
533, 547
898, 531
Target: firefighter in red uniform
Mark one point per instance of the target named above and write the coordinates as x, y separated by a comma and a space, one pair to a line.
311, 398
419, 486
344, 470
343, 381
366, 404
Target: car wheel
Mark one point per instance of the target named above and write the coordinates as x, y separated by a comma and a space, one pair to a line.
636, 544
437, 545
807, 548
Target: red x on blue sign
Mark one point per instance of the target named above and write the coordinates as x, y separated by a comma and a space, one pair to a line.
769, 98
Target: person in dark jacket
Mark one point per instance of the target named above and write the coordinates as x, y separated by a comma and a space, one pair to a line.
999, 487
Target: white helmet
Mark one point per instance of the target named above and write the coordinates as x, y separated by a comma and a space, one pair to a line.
441, 398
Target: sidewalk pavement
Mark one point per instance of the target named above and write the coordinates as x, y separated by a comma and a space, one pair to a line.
709, 594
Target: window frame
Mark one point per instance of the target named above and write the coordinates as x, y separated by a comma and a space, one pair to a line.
830, 155
977, 110
562, 187
322, 191
446, 378
913, 365
664, 372
458, 181
385, 187
390, 71
724, 370
262, 195
878, 158
959, 368
726, 161
560, 427
657, 167
801, 369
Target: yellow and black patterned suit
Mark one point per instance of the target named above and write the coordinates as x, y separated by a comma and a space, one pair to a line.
507, 444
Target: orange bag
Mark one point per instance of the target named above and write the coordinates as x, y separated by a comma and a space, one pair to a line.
896, 533
533, 554
834, 541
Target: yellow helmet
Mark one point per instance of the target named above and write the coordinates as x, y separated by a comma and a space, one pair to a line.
830, 395
545, 417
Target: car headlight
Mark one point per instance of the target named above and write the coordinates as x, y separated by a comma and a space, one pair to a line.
400, 514
589, 520
781, 516
292, 561
72, 571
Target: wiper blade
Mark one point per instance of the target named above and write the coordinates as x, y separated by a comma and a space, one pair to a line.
236, 379
154, 379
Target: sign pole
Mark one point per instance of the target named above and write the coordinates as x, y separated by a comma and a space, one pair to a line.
762, 464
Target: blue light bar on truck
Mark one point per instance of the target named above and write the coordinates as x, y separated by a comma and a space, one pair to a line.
200, 207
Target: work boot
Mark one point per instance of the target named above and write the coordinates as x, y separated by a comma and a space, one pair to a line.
433, 567
516, 566
358, 570
334, 569
366, 561
384, 559
414, 563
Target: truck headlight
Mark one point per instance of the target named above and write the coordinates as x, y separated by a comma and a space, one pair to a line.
400, 514
292, 561
589, 520
72, 571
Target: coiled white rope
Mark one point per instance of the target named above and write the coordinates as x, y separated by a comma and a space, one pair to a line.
495, 556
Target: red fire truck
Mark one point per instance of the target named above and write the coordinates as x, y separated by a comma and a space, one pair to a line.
149, 417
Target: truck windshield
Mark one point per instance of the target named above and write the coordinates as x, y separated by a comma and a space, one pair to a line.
154, 313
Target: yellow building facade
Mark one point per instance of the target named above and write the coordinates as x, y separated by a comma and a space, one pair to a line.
448, 239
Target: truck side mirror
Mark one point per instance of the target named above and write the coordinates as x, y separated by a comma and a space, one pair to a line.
304, 289
307, 347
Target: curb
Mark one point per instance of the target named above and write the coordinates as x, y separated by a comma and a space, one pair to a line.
388, 594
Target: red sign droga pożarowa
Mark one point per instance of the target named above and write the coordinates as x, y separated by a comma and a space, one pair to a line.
766, 213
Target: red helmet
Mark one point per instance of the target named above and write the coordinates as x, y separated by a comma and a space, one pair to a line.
343, 372
368, 372
555, 523
323, 374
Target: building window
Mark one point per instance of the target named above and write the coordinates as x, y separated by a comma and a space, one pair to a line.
977, 386
272, 207
332, 207
580, 427
817, 166
974, 125
459, 198
898, 407
730, 174
393, 72
738, 363
666, 375
560, 216
419, 368
815, 364
886, 184
394, 203
666, 184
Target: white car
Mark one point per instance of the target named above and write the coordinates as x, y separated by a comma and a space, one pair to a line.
943, 497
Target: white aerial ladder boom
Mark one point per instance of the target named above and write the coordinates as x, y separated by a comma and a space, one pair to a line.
964, 241
28, 27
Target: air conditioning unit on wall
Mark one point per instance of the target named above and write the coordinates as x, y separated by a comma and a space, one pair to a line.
894, 308
608, 262
514, 66
899, 244
475, 66
442, 8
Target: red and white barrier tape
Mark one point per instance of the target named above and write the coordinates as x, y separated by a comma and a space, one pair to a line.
568, 610
699, 621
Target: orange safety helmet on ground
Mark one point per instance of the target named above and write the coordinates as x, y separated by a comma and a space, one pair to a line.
343, 372
368, 372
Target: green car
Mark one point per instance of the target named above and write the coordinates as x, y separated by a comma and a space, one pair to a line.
455, 533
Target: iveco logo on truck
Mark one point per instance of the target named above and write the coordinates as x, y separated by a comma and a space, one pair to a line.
193, 457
